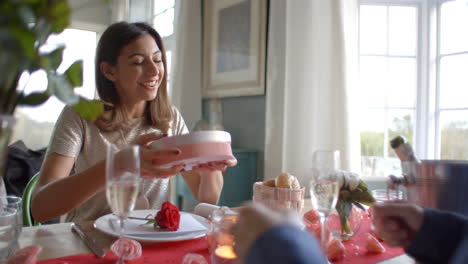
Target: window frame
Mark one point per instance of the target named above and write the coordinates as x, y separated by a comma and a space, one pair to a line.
167, 40
427, 105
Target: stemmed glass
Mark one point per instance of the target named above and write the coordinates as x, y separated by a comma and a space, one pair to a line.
122, 185
324, 186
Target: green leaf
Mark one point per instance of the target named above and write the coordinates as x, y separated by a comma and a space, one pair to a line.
362, 185
34, 99
43, 29
26, 14
75, 73
25, 39
52, 60
90, 110
359, 206
60, 86
343, 208
59, 15
151, 221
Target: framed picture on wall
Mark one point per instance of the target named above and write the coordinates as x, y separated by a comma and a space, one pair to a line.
234, 47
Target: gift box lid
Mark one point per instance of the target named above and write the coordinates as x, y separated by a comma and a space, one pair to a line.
197, 148
191, 138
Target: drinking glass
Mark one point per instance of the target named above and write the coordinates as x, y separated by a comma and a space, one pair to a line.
11, 223
122, 185
324, 186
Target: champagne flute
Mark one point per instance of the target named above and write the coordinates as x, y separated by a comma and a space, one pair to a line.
324, 186
122, 185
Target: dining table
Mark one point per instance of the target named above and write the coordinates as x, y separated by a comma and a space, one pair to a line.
60, 245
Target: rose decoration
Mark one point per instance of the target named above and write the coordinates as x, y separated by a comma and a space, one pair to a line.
168, 217
353, 191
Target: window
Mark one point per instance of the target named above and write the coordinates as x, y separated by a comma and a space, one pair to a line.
413, 60
161, 17
35, 124
163, 22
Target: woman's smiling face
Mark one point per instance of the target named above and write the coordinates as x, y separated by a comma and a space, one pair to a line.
139, 71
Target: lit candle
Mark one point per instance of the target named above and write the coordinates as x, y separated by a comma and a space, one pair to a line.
225, 252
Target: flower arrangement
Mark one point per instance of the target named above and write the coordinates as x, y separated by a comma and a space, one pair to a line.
168, 217
353, 191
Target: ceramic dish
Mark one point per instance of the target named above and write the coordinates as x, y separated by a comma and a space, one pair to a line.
191, 226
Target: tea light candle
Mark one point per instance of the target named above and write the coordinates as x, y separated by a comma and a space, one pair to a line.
225, 252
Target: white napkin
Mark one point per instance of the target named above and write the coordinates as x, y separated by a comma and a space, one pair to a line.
205, 209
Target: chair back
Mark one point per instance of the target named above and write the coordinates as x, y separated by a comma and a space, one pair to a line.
27, 195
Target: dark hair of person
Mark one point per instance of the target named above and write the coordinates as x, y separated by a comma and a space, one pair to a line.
158, 112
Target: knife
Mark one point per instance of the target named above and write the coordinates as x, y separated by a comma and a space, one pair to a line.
90, 243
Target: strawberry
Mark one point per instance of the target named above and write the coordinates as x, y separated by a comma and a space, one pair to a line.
27, 255
312, 216
335, 250
373, 245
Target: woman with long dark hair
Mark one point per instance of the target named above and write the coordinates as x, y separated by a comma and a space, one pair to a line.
131, 80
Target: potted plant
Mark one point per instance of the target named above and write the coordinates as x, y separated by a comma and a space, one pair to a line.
25, 25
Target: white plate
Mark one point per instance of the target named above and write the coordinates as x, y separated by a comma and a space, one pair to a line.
191, 226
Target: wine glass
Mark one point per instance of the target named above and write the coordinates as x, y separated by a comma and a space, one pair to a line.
324, 186
122, 185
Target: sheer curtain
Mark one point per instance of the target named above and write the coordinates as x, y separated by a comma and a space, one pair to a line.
311, 73
119, 10
186, 74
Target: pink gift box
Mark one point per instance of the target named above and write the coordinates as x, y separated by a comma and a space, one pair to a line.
279, 198
196, 148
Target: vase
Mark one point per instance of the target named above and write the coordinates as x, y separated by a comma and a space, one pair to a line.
346, 230
7, 123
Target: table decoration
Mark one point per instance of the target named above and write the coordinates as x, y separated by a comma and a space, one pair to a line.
219, 239
165, 252
168, 217
191, 226
356, 250
283, 192
353, 193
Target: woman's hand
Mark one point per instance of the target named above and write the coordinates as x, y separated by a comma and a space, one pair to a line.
151, 159
217, 165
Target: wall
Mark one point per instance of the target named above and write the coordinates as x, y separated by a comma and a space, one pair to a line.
244, 118
90, 14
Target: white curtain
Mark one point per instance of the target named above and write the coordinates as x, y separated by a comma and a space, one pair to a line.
187, 64
310, 79
119, 10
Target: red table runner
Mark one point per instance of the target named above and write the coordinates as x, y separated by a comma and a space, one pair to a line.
356, 248
173, 252
166, 252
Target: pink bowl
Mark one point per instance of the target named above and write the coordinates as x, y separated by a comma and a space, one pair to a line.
197, 148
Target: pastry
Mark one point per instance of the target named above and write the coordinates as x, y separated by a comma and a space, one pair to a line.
286, 180
270, 183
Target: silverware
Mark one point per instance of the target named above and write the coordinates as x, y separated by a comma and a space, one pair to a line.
139, 218
90, 243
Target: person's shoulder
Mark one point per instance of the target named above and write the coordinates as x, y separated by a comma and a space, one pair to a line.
69, 113
175, 111
176, 115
